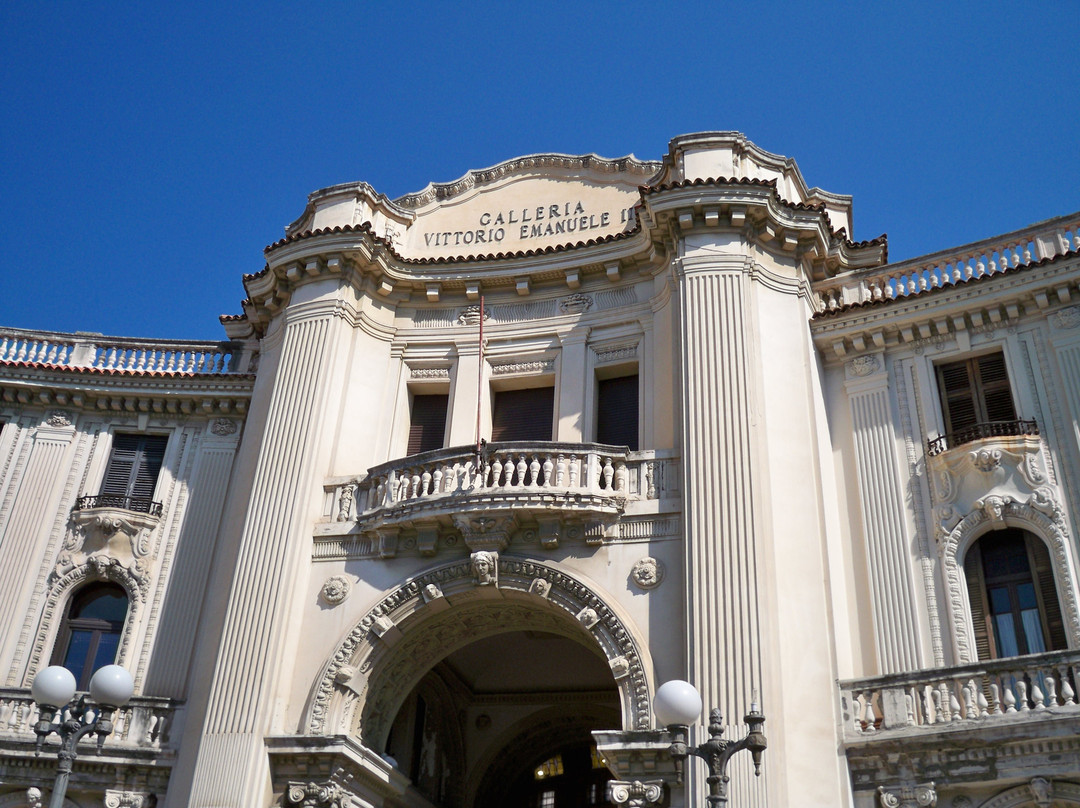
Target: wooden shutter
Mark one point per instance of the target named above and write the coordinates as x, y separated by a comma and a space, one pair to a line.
980, 609
427, 428
993, 384
523, 414
617, 412
134, 464
1042, 570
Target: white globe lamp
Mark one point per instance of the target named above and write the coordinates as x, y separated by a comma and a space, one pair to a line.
53, 687
111, 686
677, 703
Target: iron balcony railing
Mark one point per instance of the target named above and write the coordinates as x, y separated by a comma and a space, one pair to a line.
116, 501
990, 429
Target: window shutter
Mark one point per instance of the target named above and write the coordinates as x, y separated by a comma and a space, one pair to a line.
125, 450
1042, 569
994, 382
980, 609
523, 414
957, 395
148, 466
427, 429
134, 464
617, 412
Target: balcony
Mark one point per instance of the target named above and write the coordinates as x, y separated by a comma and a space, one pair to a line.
992, 429
555, 491
113, 501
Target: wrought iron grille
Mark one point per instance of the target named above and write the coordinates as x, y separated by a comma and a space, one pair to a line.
115, 501
991, 429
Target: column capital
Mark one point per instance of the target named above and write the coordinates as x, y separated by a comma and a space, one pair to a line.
636, 793
923, 795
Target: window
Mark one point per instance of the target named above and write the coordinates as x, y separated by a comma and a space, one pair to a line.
427, 427
523, 414
975, 391
1014, 602
617, 412
132, 473
90, 634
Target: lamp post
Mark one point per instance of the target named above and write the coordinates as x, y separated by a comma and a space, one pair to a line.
53, 689
678, 705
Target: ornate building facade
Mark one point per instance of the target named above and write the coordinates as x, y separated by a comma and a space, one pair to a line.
477, 469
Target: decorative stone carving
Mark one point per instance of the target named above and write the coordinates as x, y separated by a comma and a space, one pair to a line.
1033, 474
619, 354
1066, 318
431, 592
920, 796
540, 587
647, 573
588, 617
485, 531
1041, 791
58, 418
223, 427
986, 460
119, 533
430, 373
575, 304
537, 366
127, 799
470, 315
34, 798
314, 795
344, 674
485, 567
336, 589
864, 365
345, 503
619, 667
994, 507
636, 793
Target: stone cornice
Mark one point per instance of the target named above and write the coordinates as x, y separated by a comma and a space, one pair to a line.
993, 301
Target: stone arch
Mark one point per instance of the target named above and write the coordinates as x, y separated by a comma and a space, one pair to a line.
1037, 793
1040, 515
384, 656
61, 586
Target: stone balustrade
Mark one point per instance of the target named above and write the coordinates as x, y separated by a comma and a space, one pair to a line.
143, 723
993, 691
1044, 240
505, 469
124, 355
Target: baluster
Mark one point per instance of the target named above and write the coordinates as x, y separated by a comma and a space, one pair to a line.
449, 478
436, 480
650, 477
622, 479
995, 699
939, 713
51, 357
508, 472
1022, 693
21, 355
1010, 699
575, 470
1037, 696
980, 266
927, 700
968, 691
875, 291
560, 471
519, 468
608, 472
1051, 699
534, 472
868, 712
548, 466
912, 286
1027, 252
461, 476
3, 348
425, 483
120, 725
993, 265
414, 488
981, 703
403, 488
496, 472
921, 280
909, 705
1067, 692
954, 703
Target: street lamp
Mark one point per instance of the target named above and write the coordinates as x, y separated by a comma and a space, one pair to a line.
53, 689
678, 705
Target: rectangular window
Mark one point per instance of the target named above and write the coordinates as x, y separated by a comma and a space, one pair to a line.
617, 412
427, 428
523, 414
975, 391
132, 473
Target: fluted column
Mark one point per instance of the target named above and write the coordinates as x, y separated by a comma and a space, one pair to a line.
723, 630
257, 637
39, 470
885, 529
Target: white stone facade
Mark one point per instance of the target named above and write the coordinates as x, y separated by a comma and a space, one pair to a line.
322, 614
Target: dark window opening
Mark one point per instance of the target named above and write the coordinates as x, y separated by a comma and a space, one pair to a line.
427, 427
977, 402
131, 476
1014, 602
89, 637
617, 412
523, 414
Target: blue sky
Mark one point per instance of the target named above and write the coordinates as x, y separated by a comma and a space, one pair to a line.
150, 151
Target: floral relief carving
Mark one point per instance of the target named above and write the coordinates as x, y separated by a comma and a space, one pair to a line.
864, 365
575, 304
336, 589
223, 427
536, 366
647, 573
58, 418
470, 315
986, 460
1066, 318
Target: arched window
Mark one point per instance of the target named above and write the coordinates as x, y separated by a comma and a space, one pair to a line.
1014, 602
90, 634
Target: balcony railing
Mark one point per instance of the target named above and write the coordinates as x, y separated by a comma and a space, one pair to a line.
991, 429
994, 691
144, 723
114, 501
513, 467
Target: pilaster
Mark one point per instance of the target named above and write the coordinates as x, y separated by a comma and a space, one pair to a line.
574, 385
884, 526
232, 767
720, 524
468, 379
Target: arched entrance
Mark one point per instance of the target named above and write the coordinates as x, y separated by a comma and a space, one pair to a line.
475, 682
